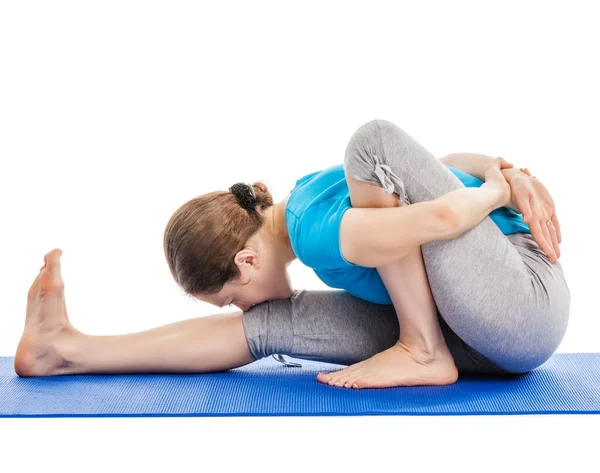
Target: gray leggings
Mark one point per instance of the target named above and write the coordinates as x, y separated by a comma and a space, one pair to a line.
502, 306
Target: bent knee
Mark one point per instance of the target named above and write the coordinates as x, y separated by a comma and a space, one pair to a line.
369, 161
368, 195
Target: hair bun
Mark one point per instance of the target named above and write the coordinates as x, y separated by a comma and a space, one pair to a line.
245, 195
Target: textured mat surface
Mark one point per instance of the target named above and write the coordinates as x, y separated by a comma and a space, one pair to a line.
567, 383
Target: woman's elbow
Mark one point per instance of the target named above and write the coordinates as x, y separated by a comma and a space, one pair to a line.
448, 222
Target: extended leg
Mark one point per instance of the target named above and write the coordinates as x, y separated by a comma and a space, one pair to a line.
51, 346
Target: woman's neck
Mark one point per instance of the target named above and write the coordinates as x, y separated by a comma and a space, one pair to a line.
277, 232
284, 237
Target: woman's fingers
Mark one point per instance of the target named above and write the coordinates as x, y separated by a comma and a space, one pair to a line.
550, 247
542, 238
504, 164
557, 227
522, 198
535, 203
554, 239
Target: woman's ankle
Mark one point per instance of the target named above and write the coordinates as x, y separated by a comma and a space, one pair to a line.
425, 350
69, 346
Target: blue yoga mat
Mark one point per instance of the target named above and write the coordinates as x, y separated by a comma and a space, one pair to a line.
568, 383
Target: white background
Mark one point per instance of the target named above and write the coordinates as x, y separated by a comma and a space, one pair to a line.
113, 114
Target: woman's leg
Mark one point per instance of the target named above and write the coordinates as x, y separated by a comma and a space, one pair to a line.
50, 345
421, 355
507, 302
405, 279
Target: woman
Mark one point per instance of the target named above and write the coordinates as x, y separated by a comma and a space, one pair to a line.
394, 227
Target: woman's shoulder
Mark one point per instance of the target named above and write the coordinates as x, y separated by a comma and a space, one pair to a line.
325, 186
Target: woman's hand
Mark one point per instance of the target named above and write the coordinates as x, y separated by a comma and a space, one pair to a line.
537, 206
494, 178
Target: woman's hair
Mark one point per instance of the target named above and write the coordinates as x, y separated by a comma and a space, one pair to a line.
204, 234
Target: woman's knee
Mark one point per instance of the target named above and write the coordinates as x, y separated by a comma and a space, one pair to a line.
366, 143
363, 195
269, 328
363, 144
366, 160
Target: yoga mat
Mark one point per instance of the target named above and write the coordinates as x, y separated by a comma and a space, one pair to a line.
568, 383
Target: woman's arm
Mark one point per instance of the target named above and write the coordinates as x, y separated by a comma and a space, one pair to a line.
372, 237
475, 164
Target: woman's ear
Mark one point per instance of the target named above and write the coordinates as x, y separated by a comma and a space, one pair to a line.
249, 257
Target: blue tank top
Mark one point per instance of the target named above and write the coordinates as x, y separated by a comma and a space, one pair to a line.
313, 216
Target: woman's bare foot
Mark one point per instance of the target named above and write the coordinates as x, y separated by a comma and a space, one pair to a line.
399, 365
48, 332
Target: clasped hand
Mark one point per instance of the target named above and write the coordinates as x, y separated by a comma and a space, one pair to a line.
533, 201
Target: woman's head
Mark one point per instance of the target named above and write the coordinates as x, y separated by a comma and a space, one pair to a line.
219, 249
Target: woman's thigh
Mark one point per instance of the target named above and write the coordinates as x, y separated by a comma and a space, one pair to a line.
505, 300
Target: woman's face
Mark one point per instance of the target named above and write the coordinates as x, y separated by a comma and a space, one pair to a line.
261, 279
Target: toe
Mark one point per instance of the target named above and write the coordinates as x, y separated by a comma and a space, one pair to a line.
357, 375
333, 378
362, 382
52, 259
51, 278
340, 377
351, 381
323, 377
340, 380
345, 379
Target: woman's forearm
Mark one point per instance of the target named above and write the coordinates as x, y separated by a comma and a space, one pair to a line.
369, 236
471, 163
469, 206
475, 164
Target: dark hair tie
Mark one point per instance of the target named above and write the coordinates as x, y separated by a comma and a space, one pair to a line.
245, 195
